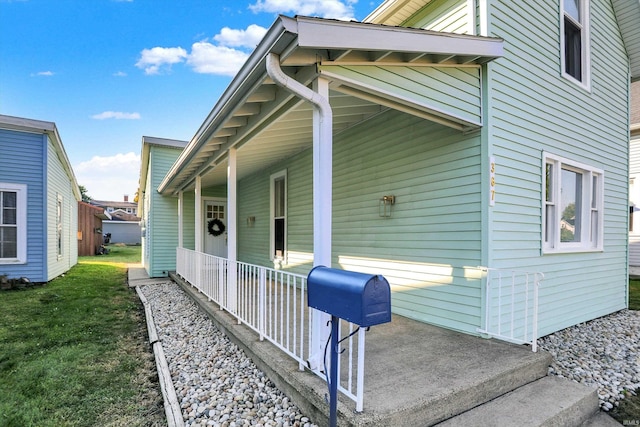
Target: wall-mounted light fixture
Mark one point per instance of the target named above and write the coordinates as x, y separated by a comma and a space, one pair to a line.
250, 221
384, 208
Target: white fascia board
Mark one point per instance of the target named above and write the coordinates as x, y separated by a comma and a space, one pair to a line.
326, 34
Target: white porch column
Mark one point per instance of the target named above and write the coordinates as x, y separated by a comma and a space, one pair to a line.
180, 219
322, 219
198, 216
232, 231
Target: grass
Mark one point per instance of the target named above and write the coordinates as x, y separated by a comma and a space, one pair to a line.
634, 294
74, 352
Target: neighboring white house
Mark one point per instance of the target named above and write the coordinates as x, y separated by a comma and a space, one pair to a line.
634, 177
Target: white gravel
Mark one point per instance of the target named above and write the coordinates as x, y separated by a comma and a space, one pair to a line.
216, 383
603, 353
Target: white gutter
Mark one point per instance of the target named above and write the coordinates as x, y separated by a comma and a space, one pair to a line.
322, 186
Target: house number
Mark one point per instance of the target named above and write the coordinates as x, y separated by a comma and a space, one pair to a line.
492, 181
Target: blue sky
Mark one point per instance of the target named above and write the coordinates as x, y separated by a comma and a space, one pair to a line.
108, 72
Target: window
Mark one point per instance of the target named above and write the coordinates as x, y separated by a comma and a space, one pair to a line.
59, 226
13, 227
573, 207
575, 40
278, 215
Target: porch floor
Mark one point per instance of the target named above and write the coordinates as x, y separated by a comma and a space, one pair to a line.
415, 374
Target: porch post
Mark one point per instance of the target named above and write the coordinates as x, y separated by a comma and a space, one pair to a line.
198, 215
232, 231
322, 220
180, 219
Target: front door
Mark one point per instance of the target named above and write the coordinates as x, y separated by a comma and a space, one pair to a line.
215, 228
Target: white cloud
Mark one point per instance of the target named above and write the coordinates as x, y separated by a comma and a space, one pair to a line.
323, 8
118, 115
157, 58
241, 38
120, 74
43, 73
110, 178
207, 58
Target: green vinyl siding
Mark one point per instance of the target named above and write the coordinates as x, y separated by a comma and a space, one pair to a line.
443, 15
434, 228
454, 91
59, 183
534, 109
162, 217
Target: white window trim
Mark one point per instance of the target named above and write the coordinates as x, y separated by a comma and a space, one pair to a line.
585, 244
586, 45
21, 222
272, 209
60, 227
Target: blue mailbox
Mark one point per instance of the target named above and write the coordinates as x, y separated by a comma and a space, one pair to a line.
363, 299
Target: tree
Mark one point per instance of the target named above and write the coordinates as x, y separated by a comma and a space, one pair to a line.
83, 192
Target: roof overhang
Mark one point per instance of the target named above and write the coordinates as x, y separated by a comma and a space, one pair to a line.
50, 128
252, 107
628, 17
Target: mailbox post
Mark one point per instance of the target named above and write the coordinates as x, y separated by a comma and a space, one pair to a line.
362, 299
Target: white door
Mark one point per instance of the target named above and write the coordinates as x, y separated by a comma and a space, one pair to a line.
215, 228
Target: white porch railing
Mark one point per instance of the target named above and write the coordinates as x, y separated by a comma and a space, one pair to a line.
511, 305
273, 303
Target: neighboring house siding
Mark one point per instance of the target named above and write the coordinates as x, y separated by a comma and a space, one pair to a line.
535, 109
449, 90
58, 183
634, 200
434, 228
21, 162
162, 224
444, 15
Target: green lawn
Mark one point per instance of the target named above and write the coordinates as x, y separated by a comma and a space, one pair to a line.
634, 294
74, 352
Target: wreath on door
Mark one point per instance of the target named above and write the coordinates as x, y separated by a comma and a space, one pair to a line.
215, 227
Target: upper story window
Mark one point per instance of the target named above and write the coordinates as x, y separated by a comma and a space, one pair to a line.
13, 227
575, 40
573, 206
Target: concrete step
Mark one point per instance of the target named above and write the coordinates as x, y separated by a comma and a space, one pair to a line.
547, 402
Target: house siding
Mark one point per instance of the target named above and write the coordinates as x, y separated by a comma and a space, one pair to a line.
59, 183
634, 200
454, 91
443, 15
533, 109
434, 228
21, 162
162, 220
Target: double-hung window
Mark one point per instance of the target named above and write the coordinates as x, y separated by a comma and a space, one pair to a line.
574, 46
278, 215
13, 227
573, 206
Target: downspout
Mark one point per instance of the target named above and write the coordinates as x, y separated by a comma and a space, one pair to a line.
322, 187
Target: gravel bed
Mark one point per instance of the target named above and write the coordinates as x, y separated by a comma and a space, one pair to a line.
603, 353
216, 383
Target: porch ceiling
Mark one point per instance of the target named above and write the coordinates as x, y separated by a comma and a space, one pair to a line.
266, 123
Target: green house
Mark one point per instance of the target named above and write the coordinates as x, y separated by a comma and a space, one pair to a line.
453, 146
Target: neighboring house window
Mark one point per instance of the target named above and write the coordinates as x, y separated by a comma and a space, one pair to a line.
632, 182
278, 215
575, 40
573, 206
59, 226
13, 227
